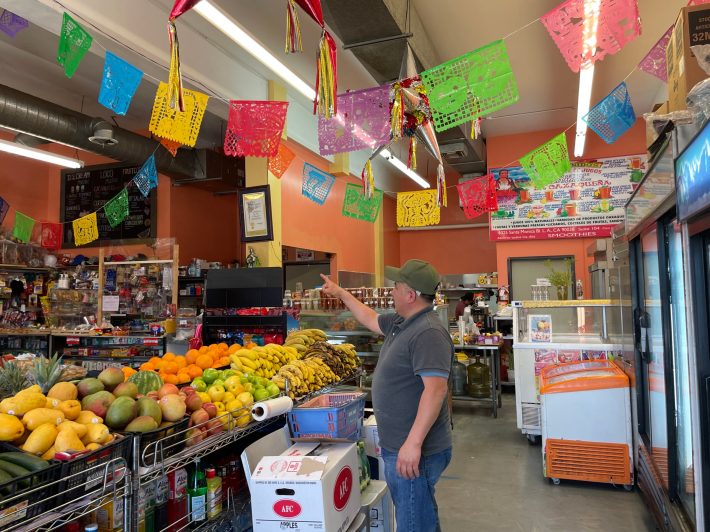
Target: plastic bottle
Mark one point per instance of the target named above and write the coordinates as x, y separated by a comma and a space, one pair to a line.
93, 527
214, 494
197, 495
177, 501
160, 504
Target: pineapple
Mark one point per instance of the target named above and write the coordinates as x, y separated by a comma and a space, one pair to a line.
12, 379
46, 372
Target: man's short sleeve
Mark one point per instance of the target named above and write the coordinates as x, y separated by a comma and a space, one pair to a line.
432, 354
386, 321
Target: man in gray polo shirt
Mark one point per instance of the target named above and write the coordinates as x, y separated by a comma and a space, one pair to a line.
409, 390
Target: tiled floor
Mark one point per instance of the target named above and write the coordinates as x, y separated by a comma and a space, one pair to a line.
495, 483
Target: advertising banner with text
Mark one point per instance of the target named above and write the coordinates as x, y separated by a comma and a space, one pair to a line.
586, 202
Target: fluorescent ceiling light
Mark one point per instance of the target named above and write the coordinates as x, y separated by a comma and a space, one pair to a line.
419, 180
40, 155
586, 74
231, 29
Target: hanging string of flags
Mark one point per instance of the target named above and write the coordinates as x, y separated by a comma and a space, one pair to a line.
466, 88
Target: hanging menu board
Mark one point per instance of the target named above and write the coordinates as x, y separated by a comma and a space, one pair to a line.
88, 189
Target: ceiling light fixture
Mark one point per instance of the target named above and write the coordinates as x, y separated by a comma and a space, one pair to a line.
586, 73
40, 155
231, 29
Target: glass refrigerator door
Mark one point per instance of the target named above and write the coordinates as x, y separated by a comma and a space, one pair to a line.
652, 354
684, 434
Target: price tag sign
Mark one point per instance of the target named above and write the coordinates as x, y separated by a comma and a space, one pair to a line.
72, 340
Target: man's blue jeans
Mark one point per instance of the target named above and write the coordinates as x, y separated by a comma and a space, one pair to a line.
414, 502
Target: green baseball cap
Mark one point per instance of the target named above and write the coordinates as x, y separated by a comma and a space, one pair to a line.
419, 275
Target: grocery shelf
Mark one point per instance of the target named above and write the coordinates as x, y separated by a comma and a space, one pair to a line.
351, 333
142, 358
26, 332
368, 353
470, 289
508, 337
191, 279
477, 347
21, 268
70, 510
137, 262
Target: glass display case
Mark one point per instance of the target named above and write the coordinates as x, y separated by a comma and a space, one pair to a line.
68, 307
583, 321
548, 333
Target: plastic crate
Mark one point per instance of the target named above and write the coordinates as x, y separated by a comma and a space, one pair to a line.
332, 415
24, 498
171, 441
86, 473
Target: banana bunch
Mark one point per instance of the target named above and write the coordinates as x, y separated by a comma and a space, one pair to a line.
263, 361
301, 340
343, 362
304, 376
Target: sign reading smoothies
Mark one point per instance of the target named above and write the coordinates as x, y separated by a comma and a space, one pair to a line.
586, 202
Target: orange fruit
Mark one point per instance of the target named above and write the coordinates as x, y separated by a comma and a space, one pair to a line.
203, 349
183, 377
147, 366
155, 361
127, 372
191, 356
223, 346
170, 368
194, 371
170, 379
160, 365
204, 361
169, 356
250, 345
234, 348
223, 361
181, 361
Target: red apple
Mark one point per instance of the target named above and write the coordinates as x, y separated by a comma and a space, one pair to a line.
193, 402
189, 390
198, 417
210, 408
215, 426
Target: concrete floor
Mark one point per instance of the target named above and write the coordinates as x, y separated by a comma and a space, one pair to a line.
495, 482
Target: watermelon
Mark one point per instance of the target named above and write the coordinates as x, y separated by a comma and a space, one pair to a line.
146, 381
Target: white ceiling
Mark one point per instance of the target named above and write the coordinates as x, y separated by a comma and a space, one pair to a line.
548, 89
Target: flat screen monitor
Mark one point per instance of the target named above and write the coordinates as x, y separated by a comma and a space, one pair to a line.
692, 170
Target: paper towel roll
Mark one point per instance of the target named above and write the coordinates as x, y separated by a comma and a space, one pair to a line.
271, 408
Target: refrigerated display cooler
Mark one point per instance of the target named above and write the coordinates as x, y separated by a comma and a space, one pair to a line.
586, 423
549, 333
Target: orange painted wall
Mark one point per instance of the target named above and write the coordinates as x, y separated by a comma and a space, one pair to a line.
305, 224
33, 187
504, 149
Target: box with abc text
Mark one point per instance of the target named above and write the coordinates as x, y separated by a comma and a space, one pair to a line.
317, 491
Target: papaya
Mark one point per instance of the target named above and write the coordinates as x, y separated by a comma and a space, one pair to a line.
22, 403
38, 416
78, 428
11, 428
41, 439
96, 433
67, 440
64, 391
71, 408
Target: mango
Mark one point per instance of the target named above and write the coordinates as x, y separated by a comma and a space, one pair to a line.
39, 416
78, 428
97, 433
89, 386
41, 439
64, 391
142, 424
67, 440
150, 407
87, 417
111, 377
10, 428
173, 407
126, 389
121, 412
98, 403
71, 408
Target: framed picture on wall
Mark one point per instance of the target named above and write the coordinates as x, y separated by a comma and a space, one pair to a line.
255, 214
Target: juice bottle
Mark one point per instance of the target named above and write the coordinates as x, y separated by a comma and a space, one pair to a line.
214, 494
177, 500
160, 504
197, 495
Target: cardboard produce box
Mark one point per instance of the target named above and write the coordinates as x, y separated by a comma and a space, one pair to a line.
314, 491
692, 28
373, 449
